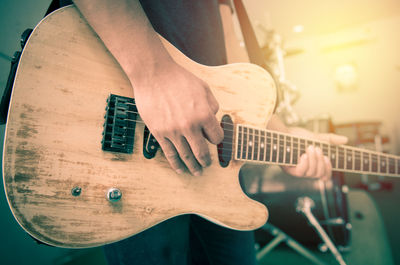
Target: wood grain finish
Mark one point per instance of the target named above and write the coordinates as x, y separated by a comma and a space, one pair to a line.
53, 144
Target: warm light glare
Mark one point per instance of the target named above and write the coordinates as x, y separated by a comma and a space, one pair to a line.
346, 77
298, 28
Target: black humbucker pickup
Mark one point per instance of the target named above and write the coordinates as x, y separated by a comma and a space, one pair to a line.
119, 124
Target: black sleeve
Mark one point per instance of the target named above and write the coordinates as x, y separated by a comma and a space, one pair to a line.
56, 4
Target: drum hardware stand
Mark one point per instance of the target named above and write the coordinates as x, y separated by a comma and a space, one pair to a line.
304, 206
280, 237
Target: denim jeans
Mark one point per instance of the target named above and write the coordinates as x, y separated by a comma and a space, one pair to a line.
184, 240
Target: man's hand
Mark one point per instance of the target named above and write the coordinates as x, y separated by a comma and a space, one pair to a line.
179, 109
313, 163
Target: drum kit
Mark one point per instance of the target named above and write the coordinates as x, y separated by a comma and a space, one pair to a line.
313, 212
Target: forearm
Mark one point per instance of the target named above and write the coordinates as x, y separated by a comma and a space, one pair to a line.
128, 34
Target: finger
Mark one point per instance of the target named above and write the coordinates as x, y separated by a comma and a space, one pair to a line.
186, 155
312, 161
320, 163
214, 106
333, 138
298, 170
328, 168
172, 155
199, 147
302, 167
213, 131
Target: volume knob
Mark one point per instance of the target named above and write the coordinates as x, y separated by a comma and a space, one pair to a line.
114, 195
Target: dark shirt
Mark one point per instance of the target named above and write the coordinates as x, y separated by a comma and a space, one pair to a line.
194, 27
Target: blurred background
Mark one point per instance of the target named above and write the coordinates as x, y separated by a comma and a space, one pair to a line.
339, 67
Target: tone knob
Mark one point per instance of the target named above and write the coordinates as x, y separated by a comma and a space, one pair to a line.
114, 195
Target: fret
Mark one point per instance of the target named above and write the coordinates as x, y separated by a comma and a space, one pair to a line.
341, 158
333, 156
256, 145
291, 150
281, 148
284, 149
269, 147
288, 148
383, 164
349, 159
250, 145
309, 143
325, 150
295, 153
357, 160
366, 162
302, 148
245, 139
392, 165
262, 146
274, 149
374, 163
239, 143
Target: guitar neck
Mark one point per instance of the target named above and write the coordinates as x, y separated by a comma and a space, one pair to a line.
271, 147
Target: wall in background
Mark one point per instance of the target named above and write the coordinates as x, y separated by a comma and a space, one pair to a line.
372, 49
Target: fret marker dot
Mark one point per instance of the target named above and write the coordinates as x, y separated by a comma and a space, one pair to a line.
333, 155
262, 145
288, 149
274, 146
250, 143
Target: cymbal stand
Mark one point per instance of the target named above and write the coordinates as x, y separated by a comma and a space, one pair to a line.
281, 237
304, 205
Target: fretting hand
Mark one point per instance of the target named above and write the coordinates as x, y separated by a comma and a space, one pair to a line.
313, 163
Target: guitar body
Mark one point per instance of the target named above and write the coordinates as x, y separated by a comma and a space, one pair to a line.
53, 144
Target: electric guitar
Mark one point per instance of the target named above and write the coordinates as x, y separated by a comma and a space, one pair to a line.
81, 169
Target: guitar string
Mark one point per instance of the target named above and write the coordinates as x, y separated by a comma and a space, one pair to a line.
313, 142
308, 142
354, 149
342, 152
325, 147
372, 163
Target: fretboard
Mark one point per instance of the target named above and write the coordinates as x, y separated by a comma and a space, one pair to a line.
258, 145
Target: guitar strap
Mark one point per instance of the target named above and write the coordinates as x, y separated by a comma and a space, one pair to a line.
253, 48
254, 51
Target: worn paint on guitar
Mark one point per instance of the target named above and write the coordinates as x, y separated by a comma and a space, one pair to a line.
53, 144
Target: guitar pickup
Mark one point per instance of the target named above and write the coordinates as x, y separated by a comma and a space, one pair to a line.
150, 144
119, 124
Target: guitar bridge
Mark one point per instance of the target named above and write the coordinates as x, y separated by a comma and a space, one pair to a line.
119, 124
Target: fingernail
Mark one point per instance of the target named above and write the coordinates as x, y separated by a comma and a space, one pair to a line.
197, 173
179, 171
